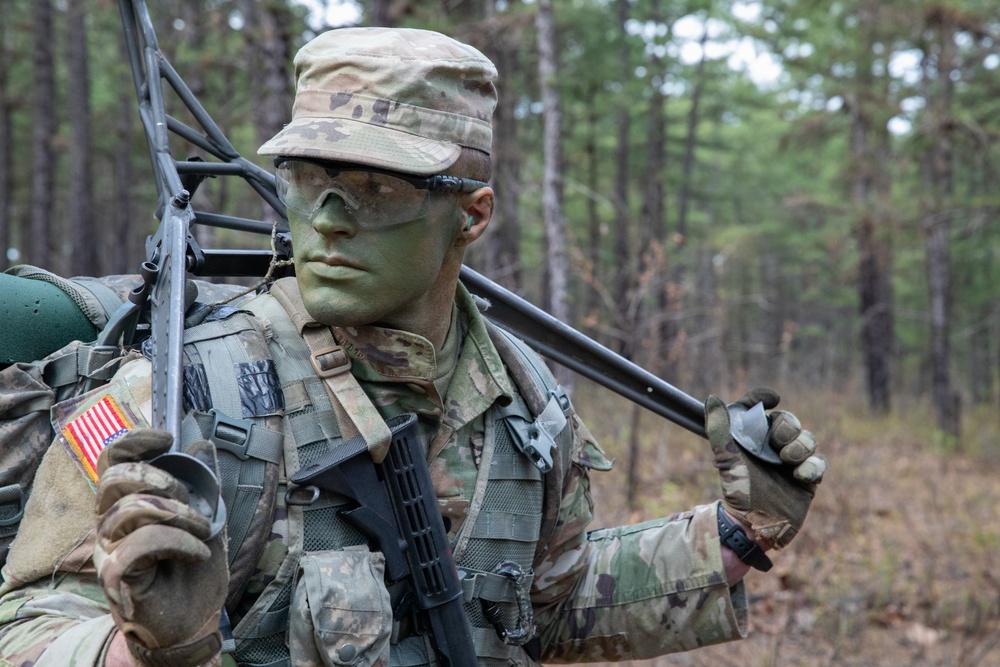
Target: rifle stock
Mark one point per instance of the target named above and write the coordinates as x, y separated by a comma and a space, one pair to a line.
395, 506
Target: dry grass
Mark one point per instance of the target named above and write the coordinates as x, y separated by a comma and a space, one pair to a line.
897, 564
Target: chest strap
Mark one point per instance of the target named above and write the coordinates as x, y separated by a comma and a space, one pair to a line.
333, 366
240, 437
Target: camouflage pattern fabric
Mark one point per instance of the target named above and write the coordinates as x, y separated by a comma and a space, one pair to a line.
644, 590
328, 582
621, 593
25, 400
400, 99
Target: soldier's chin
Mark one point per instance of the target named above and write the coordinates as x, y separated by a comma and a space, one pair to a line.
338, 314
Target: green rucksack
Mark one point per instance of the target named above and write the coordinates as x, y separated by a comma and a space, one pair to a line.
29, 389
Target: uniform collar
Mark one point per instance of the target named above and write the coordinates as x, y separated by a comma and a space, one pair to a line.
400, 367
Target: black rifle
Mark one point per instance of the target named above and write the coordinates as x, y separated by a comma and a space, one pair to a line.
394, 506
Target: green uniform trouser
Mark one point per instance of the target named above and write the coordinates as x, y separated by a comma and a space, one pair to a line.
37, 318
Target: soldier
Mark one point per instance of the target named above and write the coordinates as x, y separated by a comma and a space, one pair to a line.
383, 170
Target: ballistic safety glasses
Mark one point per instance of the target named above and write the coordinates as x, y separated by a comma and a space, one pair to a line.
372, 197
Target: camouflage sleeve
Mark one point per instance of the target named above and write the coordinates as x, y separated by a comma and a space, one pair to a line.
65, 623
52, 608
630, 592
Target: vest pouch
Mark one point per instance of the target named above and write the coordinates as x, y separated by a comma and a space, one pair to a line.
25, 435
340, 612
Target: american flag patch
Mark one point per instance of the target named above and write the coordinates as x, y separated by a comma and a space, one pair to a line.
89, 433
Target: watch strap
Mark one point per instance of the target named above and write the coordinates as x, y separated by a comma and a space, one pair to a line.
734, 537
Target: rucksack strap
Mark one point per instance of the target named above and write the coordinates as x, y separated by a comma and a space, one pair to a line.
79, 361
539, 388
107, 297
240, 437
233, 397
12, 500
331, 363
546, 399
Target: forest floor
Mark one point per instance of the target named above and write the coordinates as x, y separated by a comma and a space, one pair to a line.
898, 562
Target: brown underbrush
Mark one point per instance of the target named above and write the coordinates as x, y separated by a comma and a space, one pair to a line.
898, 562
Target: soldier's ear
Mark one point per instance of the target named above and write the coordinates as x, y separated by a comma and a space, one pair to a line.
478, 210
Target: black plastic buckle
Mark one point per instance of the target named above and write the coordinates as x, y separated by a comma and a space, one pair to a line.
230, 434
563, 398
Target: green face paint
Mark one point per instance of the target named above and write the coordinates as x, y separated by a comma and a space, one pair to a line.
353, 276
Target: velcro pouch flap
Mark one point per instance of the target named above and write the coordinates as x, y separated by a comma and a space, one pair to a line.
340, 613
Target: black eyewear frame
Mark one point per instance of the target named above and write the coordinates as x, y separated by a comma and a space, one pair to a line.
438, 183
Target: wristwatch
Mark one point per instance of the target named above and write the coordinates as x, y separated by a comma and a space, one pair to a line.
734, 537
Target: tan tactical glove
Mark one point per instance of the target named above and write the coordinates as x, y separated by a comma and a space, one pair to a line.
770, 498
164, 582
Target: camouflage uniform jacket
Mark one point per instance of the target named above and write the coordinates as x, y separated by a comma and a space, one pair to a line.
613, 594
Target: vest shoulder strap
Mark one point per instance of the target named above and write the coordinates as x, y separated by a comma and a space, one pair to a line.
547, 401
533, 378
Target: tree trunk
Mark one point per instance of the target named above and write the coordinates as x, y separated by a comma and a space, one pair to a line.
193, 71
82, 230
502, 261
122, 259
773, 283
690, 144
870, 185
6, 149
704, 367
623, 252
707, 367
634, 475
939, 181
552, 181
738, 341
946, 404
652, 225
876, 314
269, 46
651, 238
672, 298
592, 301
42, 151
380, 14
269, 52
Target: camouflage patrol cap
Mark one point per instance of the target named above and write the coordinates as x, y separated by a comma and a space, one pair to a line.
399, 99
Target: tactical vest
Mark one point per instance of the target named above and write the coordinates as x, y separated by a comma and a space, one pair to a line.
270, 414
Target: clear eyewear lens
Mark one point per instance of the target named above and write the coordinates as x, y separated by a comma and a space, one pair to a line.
371, 199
